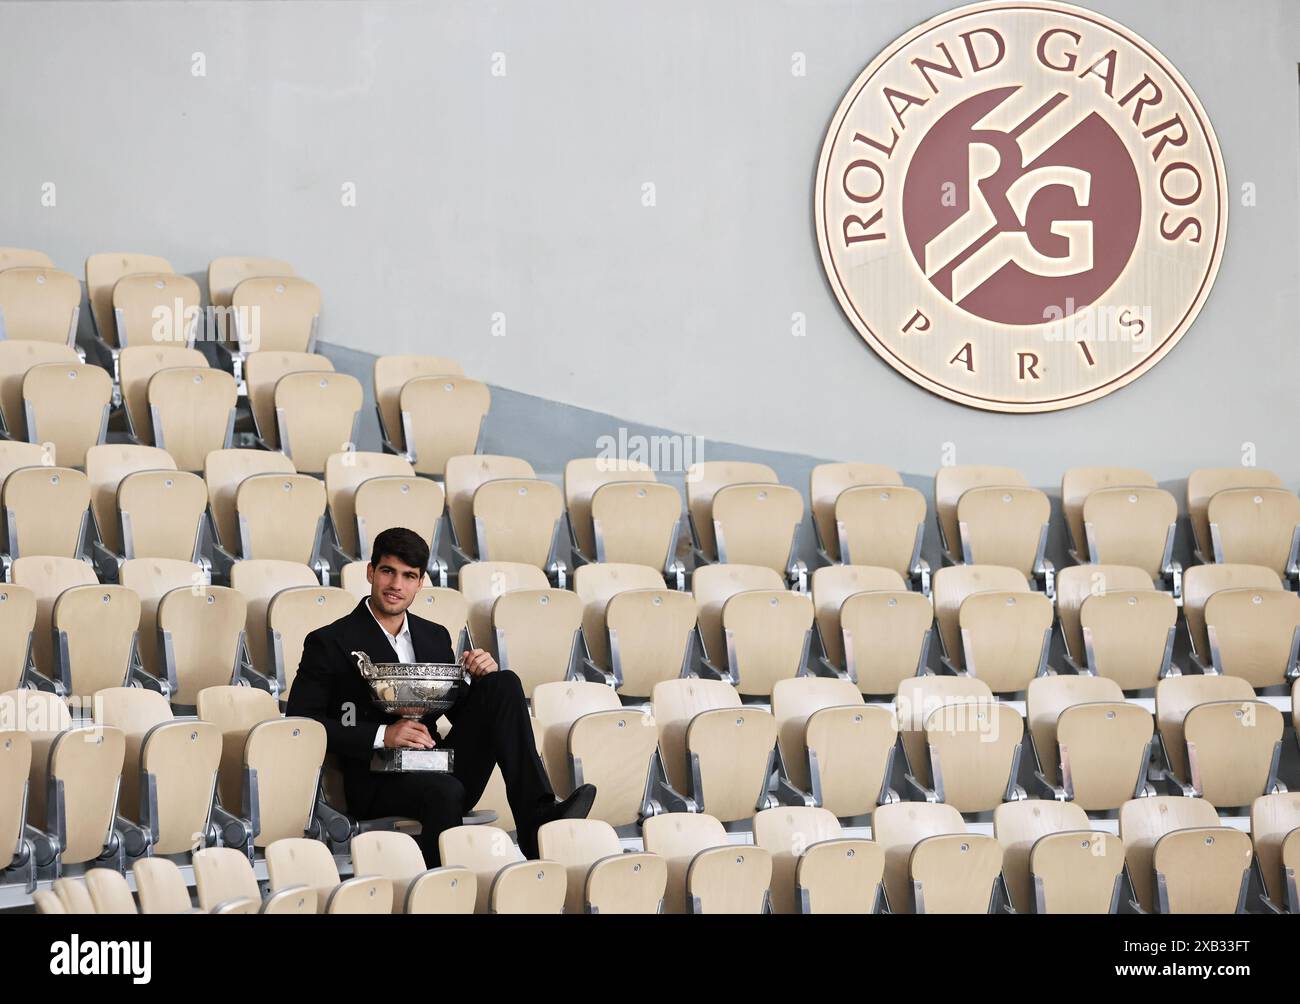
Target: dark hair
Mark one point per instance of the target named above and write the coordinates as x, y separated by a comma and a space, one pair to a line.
405, 545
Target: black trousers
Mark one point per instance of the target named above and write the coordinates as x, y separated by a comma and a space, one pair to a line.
490, 727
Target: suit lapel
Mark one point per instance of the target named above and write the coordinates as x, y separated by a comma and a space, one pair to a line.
367, 636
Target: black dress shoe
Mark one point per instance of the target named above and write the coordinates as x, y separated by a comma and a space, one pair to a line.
576, 806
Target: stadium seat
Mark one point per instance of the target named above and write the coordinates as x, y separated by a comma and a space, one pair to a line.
15, 768
1180, 859
16, 358
714, 752
262, 371
234, 710
1077, 483
103, 271
259, 581
137, 366
371, 492
200, 638
815, 869
703, 482
281, 311
1200, 583
1092, 747
1135, 527
637, 632
223, 472
535, 634
1204, 484
1115, 624
464, 475
962, 746
871, 630
600, 877
46, 512
67, 405
17, 619
589, 737
1275, 833
482, 583
291, 615
618, 512
518, 519
317, 415
161, 888
296, 862
990, 516
1254, 634
74, 895
416, 889
506, 882
833, 745
992, 626
169, 773
442, 417
1257, 526
39, 303
706, 873
863, 515
932, 865
226, 884
225, 273
1054, 862
280, 518
281, 769
138, 300
712, 586
1220, 743
109, 892
151, 579
24, 258
193, 413
390, 375
142, 507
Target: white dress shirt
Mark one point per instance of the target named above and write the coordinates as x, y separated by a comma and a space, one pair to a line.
405, 649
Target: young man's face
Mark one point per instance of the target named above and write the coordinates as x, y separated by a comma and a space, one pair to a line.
393, 585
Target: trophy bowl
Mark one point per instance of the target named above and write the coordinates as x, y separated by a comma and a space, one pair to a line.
412, 690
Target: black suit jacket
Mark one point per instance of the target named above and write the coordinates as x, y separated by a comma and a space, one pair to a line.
329, 688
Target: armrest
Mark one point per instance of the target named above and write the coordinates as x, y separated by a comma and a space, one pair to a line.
558, 573
797, 575
920, 575
235, 830
338, 826
928, 794
593, 673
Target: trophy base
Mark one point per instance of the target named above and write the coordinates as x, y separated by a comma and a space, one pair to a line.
408, 761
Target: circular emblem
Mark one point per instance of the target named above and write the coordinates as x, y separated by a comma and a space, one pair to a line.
1021, 206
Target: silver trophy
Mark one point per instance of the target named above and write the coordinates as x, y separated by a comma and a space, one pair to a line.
412, 690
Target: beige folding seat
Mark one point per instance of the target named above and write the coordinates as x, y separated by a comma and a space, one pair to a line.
757, 524
234, 710
600, 877
991, 625
442, 417
107, 467
161, 887
864, 515
200, 635
1008, 529
1201, 582
962, 746
33, 711
390, 375
766, 635
67, 404
636, 631
223, 472
892, 626
48, 903
712, 586
482, 583
619, 512
442, 606
464, 474
17, 619
1007, 526
227, 272
1219, 741
1257, 526
193, 413
1077, 483
1054, 862
281, 770
706, 873
293, 614
815, 869
38, 303
1127, 634
169, 772
262, 370
703, 482
138, 299
24, 258
16, 358
506, 882
534, 634
137, 366
109, 892
1134, 526
714, 751
294, 862
1204, 484
259, 581
396, 856
1180, 859
226, 884
833, 745
932, 865
281, 517
1254, 634
316, 414
45, 578
151, 579
276, 314
518, 519
369, 493
103, 272
46, 510
1092, 747
589, 737
15, 767
73, 895
1275, 833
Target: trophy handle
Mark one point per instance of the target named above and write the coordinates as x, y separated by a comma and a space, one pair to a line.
364, 665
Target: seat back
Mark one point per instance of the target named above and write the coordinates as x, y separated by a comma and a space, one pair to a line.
17, 618
1273, 820
729, 880
280, 516
224, 874
885, 637
1003, 526
596, 585
674, 704
756, 524
281, 313
1018, 826
955, 873
483, 582
27, 710
1131, 526
47, 578
730, 752
712, 586
1004, 637
1232, 749
900, 826
627, 883
160, 886
950, 483
1253, 634
223, 472
678, 837
193, 412
880, 526
45, 511
834, 584
1176, 696
16, 358
106, 466
917, 698
138, 300
259, 580
73, 895
86, 766
1076, 872
786, 833
293, 614
23, 258
344, 474
15, 763
705, 480
1076, 583
162, 514
974, 750
767, 634
227, 272
287, 756
577, 844
535, 634
1255, 526
316, 414
953, 584
442, 606
412, 502
840, 876
95, 629
1143, 821
636, 522
484, 850
262, 370
439, 891
649, 633
152, 579
136, 367
582, 477
1202, 870
201, 631
235, 710
827, 482
39, 304
1078, 483
391, 374
442, 417
516, 519
67, 404
464, 474
393, 855
1204, 484
1200, 582
103, 272
1128, 636
301, 861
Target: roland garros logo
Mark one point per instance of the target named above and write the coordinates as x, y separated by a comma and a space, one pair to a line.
1021, 206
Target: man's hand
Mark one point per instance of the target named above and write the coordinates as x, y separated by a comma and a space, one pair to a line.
478, 662
407, 734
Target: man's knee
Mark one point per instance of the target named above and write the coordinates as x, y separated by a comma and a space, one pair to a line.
503, 682
441, 795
